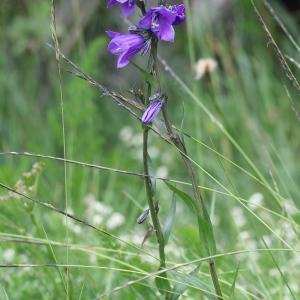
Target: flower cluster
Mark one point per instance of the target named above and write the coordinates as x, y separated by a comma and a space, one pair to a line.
156, 23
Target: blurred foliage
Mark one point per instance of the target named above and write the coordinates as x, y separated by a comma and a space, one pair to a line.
247, 93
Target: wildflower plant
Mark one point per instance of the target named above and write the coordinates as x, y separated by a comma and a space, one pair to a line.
156, 25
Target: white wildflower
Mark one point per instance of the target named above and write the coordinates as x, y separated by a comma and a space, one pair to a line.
115, 220
290, 208
8, 255
255, 200
245, 235
137, 140
205, 66
162, 172
90, 199
126, 134
102, 208
238, 216
97, 220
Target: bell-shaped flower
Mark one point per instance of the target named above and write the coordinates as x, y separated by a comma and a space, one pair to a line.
160, 21
152, 111
126, 46
127, 6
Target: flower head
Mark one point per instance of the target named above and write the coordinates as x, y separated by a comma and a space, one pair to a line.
126, 46
205, 66
152, 111
160, 21
127, 6
179, 9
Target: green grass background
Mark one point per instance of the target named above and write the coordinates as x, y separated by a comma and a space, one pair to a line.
249, 93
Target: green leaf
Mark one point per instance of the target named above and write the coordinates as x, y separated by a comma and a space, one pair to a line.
187, 280
284, 279
231, 295
183, 196
208, 244
169, 220
163, 283
149, 78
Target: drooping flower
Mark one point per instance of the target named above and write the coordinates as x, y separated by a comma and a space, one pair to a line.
160, 21
127, 6
152, 111
179, 9
126, 46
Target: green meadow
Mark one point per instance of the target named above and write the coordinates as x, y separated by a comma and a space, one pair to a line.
71, 158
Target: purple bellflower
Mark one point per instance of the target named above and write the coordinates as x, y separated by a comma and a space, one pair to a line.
152, 111
126, 46
179, 9
160, 21
127, 6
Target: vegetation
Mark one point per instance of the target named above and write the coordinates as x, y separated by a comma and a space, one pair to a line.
240, 124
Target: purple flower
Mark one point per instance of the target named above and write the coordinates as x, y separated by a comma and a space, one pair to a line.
127, 6
160, 21
152, 111
179, 9
126, 46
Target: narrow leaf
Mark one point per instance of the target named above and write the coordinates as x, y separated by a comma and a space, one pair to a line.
232, 289
208, 244
169, 220
163, 284
147, 76
183, 196
187, 280
284, 279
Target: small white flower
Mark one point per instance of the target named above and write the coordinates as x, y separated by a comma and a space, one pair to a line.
101, 208
245, 235
115, 220
89, 199
8, 255
162, 172
238, 216
205, 66
126, 134
76, 229
97, 220
274, 272
255, 200
137, 140
290, 208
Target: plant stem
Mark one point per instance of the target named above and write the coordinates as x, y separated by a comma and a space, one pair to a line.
184, 155
141, 5
199, 200
153, 210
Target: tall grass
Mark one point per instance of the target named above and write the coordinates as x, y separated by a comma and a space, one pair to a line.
241, 130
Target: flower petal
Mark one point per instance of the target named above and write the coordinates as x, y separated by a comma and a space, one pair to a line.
180, 13
112, 34
146, 21
127, 8
152, 111
166, 31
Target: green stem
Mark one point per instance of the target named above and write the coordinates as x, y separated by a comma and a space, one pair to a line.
153, 210
199, 200
141, 5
